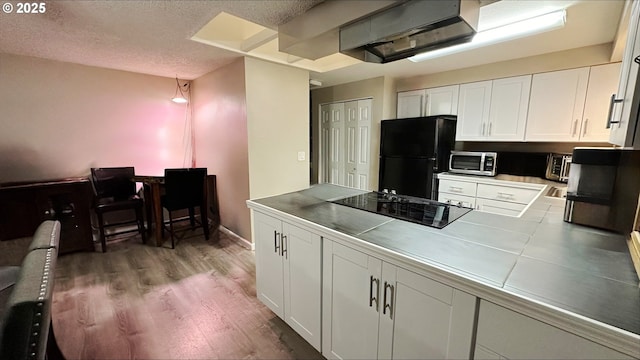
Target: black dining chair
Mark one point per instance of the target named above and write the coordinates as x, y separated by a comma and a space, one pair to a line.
185, 189
115, 190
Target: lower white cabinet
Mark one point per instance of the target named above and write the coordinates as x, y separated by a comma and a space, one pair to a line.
373, 309
506, 334
503, 198
288, 274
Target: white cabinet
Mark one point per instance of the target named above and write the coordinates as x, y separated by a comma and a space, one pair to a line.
425, 102
556, 105
288, 274
506, 334
494, 110
410, 104
508, 109
373, 309
461, 193
624, 127
486, 195
442, 100
473, 111
603, 82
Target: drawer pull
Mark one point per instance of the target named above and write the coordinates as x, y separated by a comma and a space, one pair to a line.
503, 195
455, 189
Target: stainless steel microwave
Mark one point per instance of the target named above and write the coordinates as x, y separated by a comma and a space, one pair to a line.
473, 163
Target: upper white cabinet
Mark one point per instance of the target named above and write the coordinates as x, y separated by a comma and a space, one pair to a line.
442, 100
508, 111
473, 110
426, 102
410, 104
494, 110
603, 82
624, 127
373, 309
506, 334
288, 274
556, 105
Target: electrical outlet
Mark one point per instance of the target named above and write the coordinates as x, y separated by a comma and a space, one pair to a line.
301, 155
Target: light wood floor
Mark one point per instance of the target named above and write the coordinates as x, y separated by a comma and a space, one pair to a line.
142, 302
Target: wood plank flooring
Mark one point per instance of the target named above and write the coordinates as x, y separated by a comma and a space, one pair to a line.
142, 302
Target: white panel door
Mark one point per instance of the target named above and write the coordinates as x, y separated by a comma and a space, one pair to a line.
410, 104
351, 303
473, 111
269, 264
556, 105
336, 144
429, 320
442, 100
603, 82
357, 137
509, 105
325, 143
301, 251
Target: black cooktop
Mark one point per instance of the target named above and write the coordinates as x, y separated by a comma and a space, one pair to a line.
422, 211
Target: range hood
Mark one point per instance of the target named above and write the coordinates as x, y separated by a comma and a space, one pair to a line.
413, 27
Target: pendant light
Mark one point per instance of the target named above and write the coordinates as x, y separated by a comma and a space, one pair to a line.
180, 96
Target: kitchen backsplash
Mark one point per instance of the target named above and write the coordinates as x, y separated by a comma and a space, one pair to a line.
525, 147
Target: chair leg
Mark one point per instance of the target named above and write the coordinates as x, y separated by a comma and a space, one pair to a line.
173, 244
140, 222
103, 241
192, 218
204, 219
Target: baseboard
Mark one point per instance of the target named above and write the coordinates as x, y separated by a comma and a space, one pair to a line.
237, 238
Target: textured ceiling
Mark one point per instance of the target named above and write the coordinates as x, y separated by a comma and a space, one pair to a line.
151, 37
154, 37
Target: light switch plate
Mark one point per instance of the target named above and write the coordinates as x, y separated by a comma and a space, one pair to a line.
301, 155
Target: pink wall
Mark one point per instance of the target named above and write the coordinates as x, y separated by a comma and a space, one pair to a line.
60, 119
221, 140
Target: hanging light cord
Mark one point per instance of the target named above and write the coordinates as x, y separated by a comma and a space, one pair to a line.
179, 88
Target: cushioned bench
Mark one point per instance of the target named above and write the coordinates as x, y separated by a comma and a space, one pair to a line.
25, 299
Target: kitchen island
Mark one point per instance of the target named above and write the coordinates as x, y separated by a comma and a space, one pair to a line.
573, 283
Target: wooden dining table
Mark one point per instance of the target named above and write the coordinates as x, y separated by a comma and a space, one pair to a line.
152, 185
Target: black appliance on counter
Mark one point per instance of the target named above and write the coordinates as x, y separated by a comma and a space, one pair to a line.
412, 151
418, 210
603, 188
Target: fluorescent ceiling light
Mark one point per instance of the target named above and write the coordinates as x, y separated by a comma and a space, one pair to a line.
520, 29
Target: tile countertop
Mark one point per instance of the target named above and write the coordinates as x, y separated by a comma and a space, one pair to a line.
575, 270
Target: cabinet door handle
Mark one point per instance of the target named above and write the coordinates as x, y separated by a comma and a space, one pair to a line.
283, 244
489, 131
390, 304
482, 130
575, 127
610, 117
276, 242
371, 297
584, 131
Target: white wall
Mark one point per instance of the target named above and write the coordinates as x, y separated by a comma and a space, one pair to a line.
278, 127
60, 119
221, 141
561, 60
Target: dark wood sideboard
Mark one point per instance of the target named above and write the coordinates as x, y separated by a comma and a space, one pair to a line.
23, 206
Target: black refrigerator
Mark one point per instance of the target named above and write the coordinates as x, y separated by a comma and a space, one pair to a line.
412, 151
